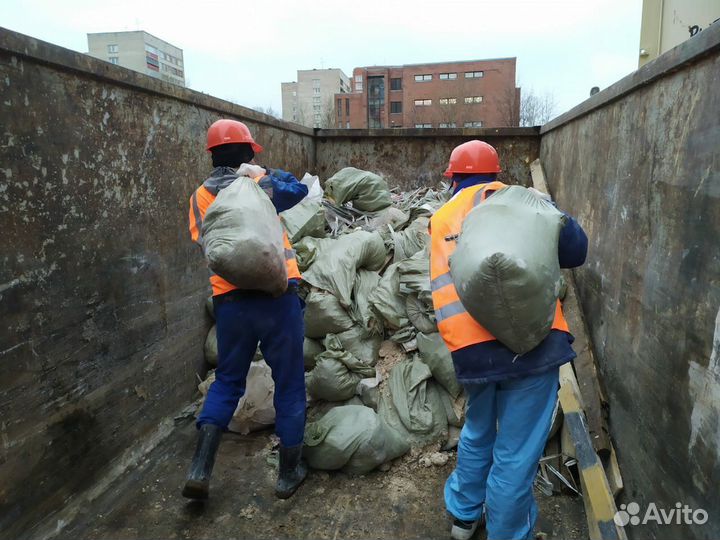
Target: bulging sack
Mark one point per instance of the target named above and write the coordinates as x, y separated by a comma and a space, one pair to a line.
243, 238
505, 267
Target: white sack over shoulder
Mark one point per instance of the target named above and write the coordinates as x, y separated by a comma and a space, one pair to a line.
243, 238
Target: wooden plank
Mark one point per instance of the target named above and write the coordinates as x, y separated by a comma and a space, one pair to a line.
594, 403
612, 470
599, 503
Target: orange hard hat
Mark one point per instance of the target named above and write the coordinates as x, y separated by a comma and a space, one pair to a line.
230, 131
473, 157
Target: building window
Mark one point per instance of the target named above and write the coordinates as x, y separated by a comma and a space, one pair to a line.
473, 99
423, 78
114, 60
316, 91
347, 125
448, 125
423, 126
294, 93
376, 102
316, 100
358, 83
474, 74
396, 107
396, 83
423, 102
316, 83
448, 101
448, 76
339, 107
347, 107
113, 48
477, 123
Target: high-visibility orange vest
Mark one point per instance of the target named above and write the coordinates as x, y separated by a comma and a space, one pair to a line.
457, 327
199, 203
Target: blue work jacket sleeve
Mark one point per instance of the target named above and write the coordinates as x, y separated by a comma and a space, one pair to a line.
286, 190
572, 244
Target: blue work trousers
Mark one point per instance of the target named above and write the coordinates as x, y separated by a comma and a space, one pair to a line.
277, 325
505, 431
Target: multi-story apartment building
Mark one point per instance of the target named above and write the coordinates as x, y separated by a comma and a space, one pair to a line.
460, 94
141, 52
309, 101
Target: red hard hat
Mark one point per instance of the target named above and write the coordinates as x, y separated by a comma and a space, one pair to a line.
473, 157
230, 131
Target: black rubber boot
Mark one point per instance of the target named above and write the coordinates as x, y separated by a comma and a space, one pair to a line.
197, 485
292, 471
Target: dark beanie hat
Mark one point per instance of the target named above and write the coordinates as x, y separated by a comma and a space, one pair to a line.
232, 154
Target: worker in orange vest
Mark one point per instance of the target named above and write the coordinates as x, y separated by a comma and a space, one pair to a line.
510, 397
246, 318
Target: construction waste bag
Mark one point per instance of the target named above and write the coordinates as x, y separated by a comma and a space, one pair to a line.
307, 218
242, 238
505, 267
336, 373
311, 348
361, 310
414, 406
336, 262
386, 299
211, 347
412, 239
324, 315
367, 191
352, 438
255, 410
435, 354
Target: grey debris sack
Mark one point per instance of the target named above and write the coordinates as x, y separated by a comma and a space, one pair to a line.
505, 267
243, 238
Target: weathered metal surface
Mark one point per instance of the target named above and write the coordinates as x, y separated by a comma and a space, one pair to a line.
411, 158
101, 291
642, 174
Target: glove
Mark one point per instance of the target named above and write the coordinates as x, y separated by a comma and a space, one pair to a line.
251, 171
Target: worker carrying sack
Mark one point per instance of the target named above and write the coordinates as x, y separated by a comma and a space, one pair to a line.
243, 238
505, 267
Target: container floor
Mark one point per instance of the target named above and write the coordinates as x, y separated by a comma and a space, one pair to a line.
404, 502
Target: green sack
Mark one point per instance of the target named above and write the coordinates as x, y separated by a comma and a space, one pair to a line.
306, 218
387, 301
413, 406
337, 261
352, 438
211, 347
307, 249
362, 344
311, 348
361, 311
336, 373
324, 315
505, 267
421, 314
412, 239
367, 191
436, 355
242, 238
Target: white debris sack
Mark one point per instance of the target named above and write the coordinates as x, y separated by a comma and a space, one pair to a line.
243, 238
505, 267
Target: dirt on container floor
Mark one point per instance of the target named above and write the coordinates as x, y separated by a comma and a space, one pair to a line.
404, 502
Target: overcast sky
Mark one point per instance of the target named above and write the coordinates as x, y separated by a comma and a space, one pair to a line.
242, 51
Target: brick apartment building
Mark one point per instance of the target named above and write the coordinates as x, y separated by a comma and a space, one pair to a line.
477, 93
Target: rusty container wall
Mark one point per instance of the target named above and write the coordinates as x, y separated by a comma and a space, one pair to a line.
410, 158
101, 289
639, 164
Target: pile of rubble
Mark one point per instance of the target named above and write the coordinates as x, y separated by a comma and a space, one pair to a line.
379, 377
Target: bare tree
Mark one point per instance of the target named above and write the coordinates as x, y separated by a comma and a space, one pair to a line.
329, 118
536, 109
268, 110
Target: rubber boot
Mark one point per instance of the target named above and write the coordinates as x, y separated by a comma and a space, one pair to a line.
292, 471
197, 485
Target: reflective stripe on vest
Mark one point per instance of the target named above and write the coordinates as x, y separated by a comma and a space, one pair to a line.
200, 201
457, 327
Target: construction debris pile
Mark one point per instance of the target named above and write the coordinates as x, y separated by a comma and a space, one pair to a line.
379, 377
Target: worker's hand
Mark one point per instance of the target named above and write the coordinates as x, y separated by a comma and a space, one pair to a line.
252, 171
540, 195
